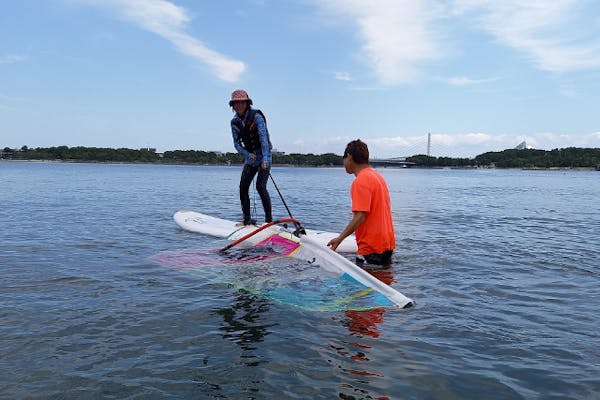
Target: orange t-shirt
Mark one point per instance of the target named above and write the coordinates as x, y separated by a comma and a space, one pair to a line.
370, 195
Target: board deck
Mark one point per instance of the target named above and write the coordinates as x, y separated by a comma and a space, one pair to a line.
208, 225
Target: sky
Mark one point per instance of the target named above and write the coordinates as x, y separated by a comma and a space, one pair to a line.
477, 75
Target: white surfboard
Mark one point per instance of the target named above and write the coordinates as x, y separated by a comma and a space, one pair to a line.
208, 225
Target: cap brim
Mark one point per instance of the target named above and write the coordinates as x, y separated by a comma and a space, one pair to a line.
235, 101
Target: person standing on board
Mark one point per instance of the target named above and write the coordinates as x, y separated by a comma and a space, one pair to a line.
251, 140
371, 209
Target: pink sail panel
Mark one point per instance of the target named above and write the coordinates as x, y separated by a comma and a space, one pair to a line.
274, 246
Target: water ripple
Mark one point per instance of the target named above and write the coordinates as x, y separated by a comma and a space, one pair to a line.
503, 266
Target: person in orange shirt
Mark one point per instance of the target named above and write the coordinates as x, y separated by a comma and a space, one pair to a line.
371, 209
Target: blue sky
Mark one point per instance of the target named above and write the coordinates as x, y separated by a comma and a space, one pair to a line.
478, 75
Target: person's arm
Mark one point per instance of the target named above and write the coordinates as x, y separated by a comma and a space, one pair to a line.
238, 146
264, 139
357, 219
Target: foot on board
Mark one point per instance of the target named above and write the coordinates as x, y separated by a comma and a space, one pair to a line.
246, 222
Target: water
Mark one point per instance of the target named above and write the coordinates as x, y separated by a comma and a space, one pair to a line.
503, 266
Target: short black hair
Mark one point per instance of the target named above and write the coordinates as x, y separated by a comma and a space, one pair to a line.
359, 151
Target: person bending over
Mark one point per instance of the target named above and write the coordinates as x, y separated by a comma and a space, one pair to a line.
372, 214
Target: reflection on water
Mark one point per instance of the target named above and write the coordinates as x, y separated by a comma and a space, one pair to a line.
242, 325
363, 324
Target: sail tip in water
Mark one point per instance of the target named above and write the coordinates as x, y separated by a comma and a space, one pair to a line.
410, 304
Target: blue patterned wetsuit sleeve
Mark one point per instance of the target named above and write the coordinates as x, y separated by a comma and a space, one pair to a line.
264, 138
236, 143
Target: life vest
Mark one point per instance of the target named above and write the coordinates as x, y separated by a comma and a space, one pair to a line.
248, 131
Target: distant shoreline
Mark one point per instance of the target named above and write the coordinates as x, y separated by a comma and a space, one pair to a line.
466, 168
162, 163
561, 159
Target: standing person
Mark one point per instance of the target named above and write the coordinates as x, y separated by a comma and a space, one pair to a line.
372, 213
251, 140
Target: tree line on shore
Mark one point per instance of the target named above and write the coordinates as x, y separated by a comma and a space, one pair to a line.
571, 157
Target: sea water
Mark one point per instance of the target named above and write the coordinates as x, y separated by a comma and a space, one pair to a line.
503, 265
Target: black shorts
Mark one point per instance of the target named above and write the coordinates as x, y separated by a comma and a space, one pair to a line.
384, 258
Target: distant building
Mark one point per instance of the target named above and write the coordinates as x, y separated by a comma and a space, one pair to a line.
523, 146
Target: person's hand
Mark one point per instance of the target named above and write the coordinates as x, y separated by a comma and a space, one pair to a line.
265, 165
334, 243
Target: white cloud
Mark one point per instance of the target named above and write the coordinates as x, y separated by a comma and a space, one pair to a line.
568, 91
556, 35
399, 37
466, 145
396, 36
11, 59
343, 76
552, 140
466, 81
474, 143
170, 22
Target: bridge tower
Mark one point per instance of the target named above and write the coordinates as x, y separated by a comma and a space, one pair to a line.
428, 144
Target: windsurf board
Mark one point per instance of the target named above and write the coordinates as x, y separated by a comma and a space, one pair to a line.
208, 225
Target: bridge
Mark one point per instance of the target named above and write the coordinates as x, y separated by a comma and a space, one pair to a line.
398, 162
416, 147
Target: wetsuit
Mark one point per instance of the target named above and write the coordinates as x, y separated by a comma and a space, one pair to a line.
250, 136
